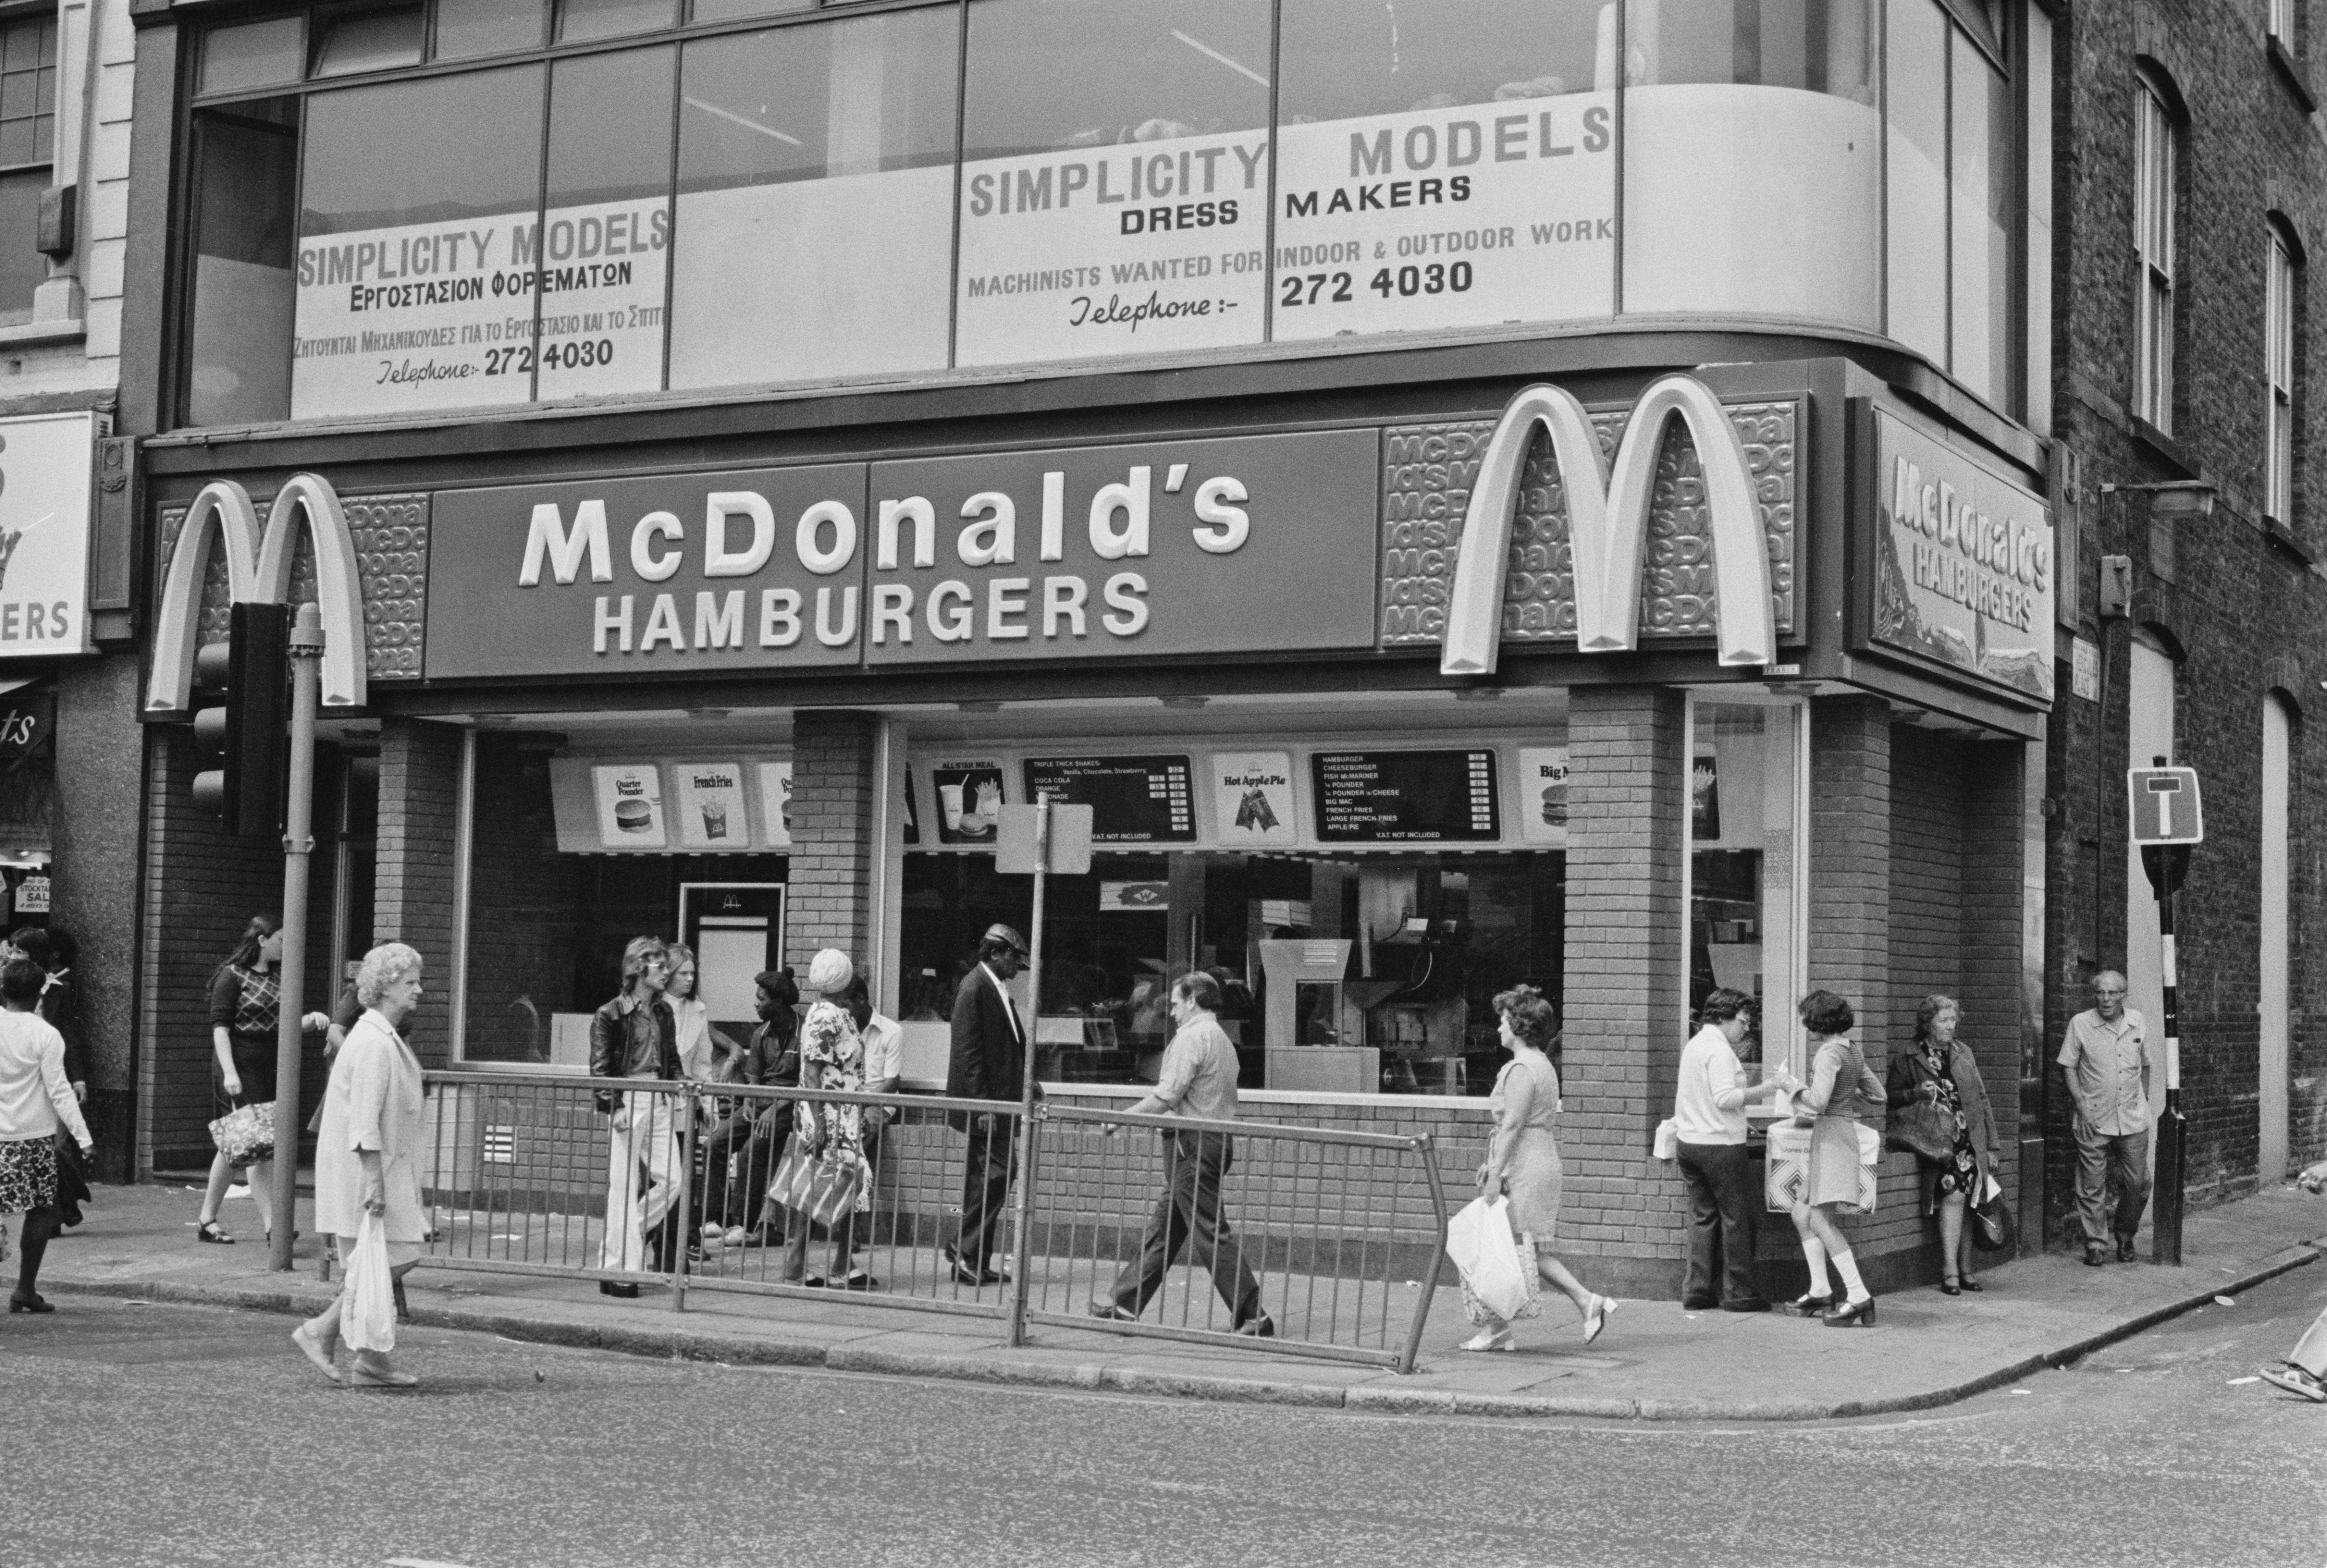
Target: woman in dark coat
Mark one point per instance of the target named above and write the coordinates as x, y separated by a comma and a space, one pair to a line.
1939, 1069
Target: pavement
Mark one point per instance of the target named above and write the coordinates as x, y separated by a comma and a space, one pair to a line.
1656, 1362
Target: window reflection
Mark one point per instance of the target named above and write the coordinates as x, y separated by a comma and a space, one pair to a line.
418, 198
1115, 181
1916, 69
352, 41
245, 180
1751, 140
816, 193
253, 54
581, 20
471, 27
605, 231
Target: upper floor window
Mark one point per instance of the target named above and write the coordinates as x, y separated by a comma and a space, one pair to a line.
794, 192
2153, 245
28, 109
2278, 375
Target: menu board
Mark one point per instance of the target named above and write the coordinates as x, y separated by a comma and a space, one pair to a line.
1405, 796
711, 814
1133, 800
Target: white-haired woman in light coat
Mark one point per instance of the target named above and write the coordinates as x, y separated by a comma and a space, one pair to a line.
367, 1152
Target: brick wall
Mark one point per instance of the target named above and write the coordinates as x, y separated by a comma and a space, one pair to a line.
202, 888
419, 824
2240, 609
829, 903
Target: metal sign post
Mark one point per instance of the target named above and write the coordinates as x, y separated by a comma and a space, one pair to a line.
2166, 819
298, 845
1041, 838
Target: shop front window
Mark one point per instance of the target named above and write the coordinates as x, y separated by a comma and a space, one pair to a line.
1745, 841
1394, 960
547, 920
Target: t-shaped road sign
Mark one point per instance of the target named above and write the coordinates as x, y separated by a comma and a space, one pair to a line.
2164, 806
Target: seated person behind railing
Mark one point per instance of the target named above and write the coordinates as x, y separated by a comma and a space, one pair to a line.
741, 1152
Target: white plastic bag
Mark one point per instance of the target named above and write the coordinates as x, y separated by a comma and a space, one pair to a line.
1479, 1239
368, 1298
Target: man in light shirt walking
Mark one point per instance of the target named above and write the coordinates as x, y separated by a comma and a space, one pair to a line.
2105, 1060
1199, 1081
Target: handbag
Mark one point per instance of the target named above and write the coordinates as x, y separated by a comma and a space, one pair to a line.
823, 1187
1991, 1221
246, 1134
1498, 1269
1923, 1130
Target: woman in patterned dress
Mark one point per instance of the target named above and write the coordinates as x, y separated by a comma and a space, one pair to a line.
832, 1056
246, 998
1941, 1070
36, 1100
1523, 1157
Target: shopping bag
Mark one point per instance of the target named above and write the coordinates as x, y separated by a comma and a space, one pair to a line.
822, 1186
1787, 1180
1497, 1279
246, 1134
368, 1295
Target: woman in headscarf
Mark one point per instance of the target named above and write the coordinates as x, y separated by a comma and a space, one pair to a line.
832, 1056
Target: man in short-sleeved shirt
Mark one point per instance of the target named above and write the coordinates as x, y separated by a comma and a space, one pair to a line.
2104, 1057
1198, 1081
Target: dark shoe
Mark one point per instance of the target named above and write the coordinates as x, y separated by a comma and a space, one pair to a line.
1949, 1288
1109, 1308
2096, 1254
1263, 1327
18, 1301
1746, 1305
1851, 1315
621, 1288
975, 1279
1809, 1306
1699, 1304
1971, 1284
2125, 1249
208, 1230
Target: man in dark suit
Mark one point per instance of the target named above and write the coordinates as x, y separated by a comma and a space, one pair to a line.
988, 1063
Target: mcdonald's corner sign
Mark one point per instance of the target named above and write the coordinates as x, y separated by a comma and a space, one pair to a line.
259, 568
1477, 552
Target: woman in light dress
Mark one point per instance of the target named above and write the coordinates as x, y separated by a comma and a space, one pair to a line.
832, 1056
1523, 1156
1842, 1089
367, 1153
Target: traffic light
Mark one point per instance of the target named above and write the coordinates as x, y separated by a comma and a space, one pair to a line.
250, 674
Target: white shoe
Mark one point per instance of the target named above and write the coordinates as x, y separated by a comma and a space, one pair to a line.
2295, 1380
1501, 1339
1597, 1318
737, 1235
239, 1189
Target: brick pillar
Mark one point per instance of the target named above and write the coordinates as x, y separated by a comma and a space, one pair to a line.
1850, 861
100, 755
1626, 810
413, 898
829, 899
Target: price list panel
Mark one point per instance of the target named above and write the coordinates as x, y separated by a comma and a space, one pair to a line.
1407, 796
1133, 800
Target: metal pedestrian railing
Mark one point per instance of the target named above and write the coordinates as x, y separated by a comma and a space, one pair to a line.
1250, 1235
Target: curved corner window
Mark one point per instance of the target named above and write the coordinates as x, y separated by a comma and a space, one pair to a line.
1753, 147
